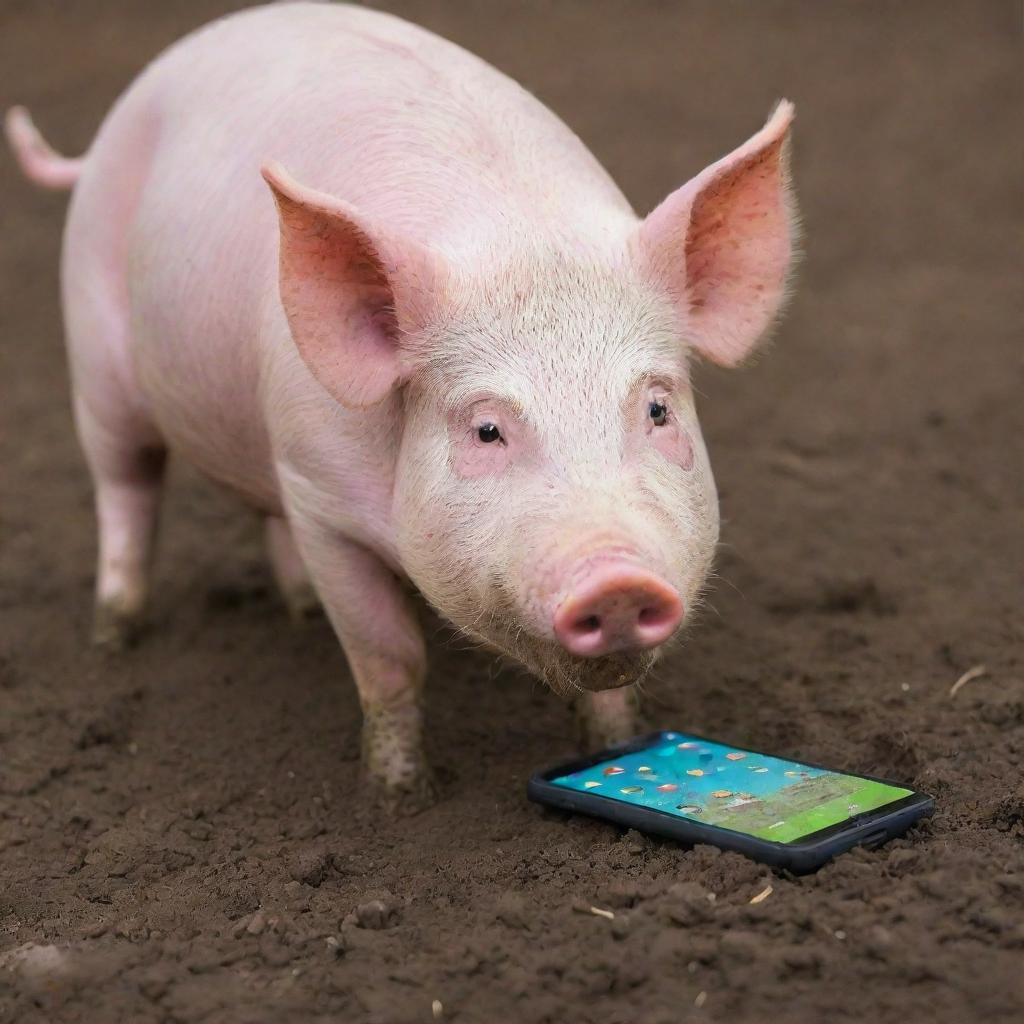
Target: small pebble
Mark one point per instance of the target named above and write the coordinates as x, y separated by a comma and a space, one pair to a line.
375, 915
437, 1009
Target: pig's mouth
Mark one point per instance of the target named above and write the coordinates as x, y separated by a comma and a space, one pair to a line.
568, 674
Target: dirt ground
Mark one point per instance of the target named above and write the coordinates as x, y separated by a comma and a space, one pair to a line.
183, 837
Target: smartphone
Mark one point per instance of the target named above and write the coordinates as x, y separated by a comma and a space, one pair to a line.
784, 813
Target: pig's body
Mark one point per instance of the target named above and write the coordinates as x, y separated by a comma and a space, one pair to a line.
172, 238
453, 354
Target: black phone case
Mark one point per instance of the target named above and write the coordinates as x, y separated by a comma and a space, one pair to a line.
869, 829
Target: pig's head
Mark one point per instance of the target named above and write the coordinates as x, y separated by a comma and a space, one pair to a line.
553, 496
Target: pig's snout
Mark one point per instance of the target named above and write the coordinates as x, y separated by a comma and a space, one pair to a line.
617, 606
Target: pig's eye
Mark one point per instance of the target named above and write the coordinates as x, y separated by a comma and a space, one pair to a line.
658, 412
488, 433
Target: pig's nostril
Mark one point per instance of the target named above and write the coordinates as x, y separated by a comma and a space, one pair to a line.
657, 616
591, 624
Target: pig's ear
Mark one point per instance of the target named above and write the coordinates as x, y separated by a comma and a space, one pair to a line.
349, 290
723, 244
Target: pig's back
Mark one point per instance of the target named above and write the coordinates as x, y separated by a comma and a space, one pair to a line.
408, 126
418, 133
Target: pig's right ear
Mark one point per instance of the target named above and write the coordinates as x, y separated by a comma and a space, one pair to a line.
349, 290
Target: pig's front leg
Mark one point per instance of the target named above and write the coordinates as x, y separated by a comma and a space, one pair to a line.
606, 718
383, 641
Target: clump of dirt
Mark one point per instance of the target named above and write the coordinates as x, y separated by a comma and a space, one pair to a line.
182, 831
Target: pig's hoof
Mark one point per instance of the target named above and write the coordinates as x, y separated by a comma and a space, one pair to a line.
303, 604
114, 629
407, 797
395, 766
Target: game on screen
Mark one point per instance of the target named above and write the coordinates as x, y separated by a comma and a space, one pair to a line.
768, 797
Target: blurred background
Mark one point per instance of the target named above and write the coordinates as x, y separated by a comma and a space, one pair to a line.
870, 468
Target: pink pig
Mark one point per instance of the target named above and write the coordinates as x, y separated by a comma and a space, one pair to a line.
440, 348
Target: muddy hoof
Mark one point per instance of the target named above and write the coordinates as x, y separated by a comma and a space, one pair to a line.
405, 799
114, 630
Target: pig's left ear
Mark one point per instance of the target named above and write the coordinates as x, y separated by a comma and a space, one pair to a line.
723, 244
351, 291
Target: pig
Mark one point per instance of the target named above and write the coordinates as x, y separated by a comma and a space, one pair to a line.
380, 291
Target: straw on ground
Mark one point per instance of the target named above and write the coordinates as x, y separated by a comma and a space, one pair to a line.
972, 673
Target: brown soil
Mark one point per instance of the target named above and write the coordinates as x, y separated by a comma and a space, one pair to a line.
184, 824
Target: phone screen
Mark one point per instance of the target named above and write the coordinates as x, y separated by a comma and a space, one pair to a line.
768, 797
